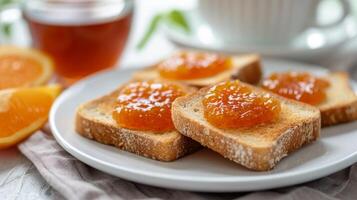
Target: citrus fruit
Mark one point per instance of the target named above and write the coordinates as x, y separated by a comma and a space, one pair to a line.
23, 111
21, 67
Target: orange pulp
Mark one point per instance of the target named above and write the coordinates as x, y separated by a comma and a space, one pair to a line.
23, 108
300, 86
13, 66
146, 106
234, 105
193, 65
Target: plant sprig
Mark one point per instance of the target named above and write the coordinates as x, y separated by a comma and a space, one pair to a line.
174, 17
6, 2
6, 28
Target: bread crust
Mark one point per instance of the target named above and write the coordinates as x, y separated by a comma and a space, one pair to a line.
126, 140
166, 146
250, 72
256, 158
339, 114
345, 109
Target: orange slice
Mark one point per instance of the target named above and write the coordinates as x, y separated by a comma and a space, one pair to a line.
21, 67
23, 111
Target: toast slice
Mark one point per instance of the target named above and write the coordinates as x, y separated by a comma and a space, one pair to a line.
258, 148
341, 101
94, 121
246, 68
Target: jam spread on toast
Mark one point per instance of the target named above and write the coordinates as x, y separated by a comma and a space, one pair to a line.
232, 105
193, 65
300, 86
146, 105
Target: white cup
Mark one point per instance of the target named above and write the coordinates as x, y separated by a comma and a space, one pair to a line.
263, 21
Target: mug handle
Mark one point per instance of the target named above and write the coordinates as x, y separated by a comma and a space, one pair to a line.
346, 11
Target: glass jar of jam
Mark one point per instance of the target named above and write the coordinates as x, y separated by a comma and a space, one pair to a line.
82, 36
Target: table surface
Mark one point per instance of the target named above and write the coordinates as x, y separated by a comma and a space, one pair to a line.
19, 179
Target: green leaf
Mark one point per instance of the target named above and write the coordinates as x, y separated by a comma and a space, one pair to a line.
6, 29
152, 28
173, 17
5, 2
176, 17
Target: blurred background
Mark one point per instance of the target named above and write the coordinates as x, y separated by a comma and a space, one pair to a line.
325, 45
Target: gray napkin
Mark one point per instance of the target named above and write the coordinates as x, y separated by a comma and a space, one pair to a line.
75, 180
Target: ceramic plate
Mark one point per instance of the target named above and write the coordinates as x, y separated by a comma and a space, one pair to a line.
203, 170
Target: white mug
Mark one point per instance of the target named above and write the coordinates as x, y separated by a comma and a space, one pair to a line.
263, 21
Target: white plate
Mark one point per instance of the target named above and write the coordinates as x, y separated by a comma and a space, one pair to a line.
204, 170
310, 46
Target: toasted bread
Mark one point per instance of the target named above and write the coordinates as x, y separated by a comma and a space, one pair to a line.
246, 68
258, 148
340, 105
94, 121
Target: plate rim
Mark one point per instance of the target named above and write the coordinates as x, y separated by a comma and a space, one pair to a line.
274, 180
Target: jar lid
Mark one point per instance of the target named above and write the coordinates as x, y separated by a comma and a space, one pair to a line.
78, 12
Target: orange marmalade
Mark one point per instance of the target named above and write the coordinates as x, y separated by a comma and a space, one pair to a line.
146, 106
234, 105
300, 86
193, 65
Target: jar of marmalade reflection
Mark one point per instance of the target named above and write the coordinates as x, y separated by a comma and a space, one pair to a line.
81, 36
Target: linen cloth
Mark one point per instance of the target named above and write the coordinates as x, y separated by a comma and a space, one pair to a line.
72, 179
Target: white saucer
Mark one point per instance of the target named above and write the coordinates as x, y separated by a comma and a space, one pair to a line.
310, 46
203, 170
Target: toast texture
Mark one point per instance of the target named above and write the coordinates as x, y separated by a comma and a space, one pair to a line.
94, 121
246, 68
341, 101
258, 148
